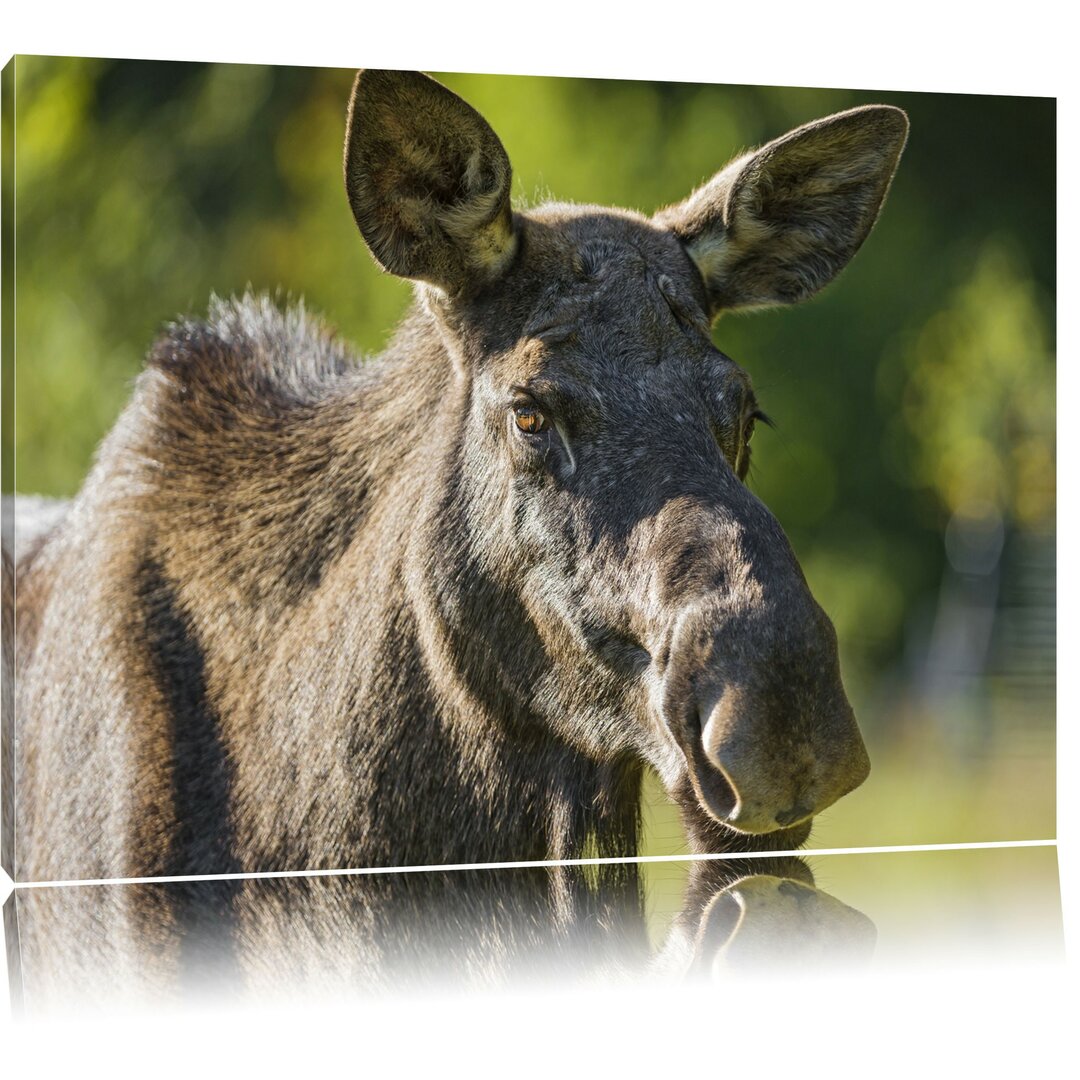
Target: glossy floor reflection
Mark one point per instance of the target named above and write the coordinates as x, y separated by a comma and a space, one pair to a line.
167, 945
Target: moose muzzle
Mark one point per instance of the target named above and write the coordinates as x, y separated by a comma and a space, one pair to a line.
756, 704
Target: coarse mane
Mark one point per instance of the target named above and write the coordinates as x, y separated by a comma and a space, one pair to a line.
258, 436
257, 354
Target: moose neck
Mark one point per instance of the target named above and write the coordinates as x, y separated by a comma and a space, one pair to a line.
541, 797
413, 728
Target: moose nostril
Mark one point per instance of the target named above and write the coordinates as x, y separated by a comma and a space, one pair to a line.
796, 813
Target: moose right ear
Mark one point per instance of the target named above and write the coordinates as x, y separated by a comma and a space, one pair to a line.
775, 226
428, 182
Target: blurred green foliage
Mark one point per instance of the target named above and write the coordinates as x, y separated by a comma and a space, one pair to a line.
918, 386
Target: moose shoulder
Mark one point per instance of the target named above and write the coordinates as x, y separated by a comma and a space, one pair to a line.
444, 606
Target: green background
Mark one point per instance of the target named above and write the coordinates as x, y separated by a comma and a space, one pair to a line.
913, 461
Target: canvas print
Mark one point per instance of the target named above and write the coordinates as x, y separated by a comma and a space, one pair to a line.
408, 470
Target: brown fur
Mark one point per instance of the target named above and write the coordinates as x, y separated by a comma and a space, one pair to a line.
310, 612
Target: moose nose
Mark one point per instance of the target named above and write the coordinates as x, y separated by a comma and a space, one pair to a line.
778, 772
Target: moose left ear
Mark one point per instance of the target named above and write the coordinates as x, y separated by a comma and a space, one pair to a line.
776, 225
428, 182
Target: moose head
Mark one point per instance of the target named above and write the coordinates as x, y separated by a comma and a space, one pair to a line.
590, 549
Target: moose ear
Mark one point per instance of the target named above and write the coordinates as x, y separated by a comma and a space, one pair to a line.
776, 225
428, 181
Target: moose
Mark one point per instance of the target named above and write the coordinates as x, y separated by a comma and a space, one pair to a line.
445, 605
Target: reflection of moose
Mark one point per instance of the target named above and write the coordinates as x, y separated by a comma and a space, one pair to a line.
446, 605
91, 945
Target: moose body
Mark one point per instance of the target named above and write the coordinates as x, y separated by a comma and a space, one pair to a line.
445, 605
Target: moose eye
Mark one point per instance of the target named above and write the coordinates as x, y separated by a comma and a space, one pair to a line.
529, 419
751, 424
742, 457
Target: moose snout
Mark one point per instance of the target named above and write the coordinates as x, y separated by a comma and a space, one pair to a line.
768, 735
779, 770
